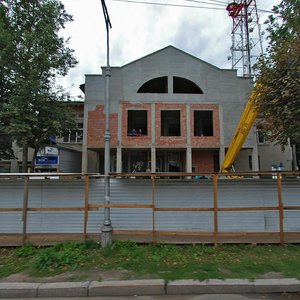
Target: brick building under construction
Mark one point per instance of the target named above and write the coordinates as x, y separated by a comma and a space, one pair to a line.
171, 112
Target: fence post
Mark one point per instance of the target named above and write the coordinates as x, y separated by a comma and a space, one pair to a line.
86, 205
280, 207
153, 209
216, 226
25, 207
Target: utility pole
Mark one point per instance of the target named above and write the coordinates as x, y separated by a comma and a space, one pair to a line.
106, 230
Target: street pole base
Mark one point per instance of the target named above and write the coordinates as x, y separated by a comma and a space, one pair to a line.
106, 236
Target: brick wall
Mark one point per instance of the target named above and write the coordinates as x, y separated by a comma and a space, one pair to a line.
96, 128
170, 141
203, 161
206, 141
135, 141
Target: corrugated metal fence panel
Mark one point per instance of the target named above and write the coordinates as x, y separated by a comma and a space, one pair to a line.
168, 193
11, 196
122, 191
184, 221
54, 193
11, 193
55, 222
291, 197
291, 192
11, 222
131, 191
184, 194
96, 191
247, 193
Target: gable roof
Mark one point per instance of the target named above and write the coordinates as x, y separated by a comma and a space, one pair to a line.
178, 50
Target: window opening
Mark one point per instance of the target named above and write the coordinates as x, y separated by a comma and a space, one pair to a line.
74, 136
156, 85
203, 123
137, 122
260, 136
185, 86
170, 123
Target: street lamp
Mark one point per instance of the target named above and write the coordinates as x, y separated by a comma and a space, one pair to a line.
106, 230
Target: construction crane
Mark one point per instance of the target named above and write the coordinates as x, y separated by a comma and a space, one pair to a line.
246, 122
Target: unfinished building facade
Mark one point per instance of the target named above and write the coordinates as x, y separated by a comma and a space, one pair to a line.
169, 112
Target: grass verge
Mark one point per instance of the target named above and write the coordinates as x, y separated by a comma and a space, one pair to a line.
164, 261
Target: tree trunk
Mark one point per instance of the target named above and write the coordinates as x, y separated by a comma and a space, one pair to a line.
33, 160
25, 158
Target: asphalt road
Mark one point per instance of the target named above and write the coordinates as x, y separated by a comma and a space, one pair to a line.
182, 297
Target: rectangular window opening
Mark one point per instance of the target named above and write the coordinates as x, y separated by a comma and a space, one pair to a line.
170, 123
203, 123
137, 123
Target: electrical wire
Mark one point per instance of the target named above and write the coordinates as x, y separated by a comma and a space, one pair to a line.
168, 4
203, 2
184, 6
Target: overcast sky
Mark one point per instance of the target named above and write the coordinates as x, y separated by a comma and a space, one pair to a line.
140, 29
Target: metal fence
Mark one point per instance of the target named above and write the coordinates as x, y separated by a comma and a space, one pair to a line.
174, 207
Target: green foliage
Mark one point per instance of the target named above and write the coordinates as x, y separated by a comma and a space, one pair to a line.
32, 56
26, 250
279, 75
165, 261
60, 256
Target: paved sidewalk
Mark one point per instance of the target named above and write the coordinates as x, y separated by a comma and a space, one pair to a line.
147, 287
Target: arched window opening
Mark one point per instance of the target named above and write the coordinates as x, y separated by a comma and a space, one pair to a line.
185, 86
156, 85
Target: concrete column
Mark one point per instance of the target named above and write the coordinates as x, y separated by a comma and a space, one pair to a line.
120, 127
153, 160
189, 159
170, 84
255, 164
188, 125
222, 141
221, 154
119, 160
84, 160
153, 133
84, 157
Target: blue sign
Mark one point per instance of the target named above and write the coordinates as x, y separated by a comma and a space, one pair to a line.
46, 160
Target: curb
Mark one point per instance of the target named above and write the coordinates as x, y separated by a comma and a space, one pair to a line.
146, 287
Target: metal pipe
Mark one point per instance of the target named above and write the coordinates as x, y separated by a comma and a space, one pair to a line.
106, 230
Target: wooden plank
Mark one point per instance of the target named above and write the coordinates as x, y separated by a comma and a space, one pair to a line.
215, 190
248, 208
93, 206
291, 207
183, 209
86, 206
153, 209
25, 207
10, 209
55, 209
280, 208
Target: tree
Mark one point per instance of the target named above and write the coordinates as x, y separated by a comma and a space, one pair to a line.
33, 107
5, 40
279, 75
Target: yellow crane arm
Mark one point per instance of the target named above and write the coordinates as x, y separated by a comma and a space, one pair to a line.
247, 119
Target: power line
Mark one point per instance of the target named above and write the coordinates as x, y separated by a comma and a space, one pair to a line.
214, 2
168, 4
203, 2
188, 6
